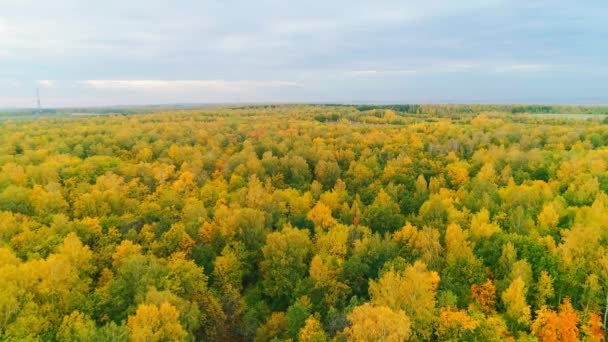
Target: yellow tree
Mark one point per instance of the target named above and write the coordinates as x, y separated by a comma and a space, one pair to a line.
312, 331
371, 323
548, 217
334, 242
481, 226
227, 269
423, 244
462, 268
126, 249
320, 215
76, 327
458, 174
455, 325
275, 327
153, 323
324, 271
514, 298
412, 291
544, 288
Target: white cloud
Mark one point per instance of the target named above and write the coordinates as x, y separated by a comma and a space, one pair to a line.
216, 85
383, 72
525, 68
448, 67
46, 83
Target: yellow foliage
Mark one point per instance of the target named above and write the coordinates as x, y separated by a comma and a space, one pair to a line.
458, 173
453, 323
514, 298
207, 232
126, 249
320, 215
548, 217
76, 327
312, 331
153, 323
422, 243
334, 241
274, 327
481, 226
457, 246
371, 323
412, 291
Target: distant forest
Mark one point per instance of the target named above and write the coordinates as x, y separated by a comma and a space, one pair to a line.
439, 109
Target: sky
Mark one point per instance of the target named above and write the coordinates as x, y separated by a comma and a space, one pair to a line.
138, 52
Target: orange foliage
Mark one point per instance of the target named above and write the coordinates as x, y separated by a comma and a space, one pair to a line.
550, 326
485, 295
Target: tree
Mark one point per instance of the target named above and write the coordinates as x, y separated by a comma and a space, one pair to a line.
592, 329
481, 226
327, 173
312, 331
544, 289
126, 249
320, 215
274, 328
77, 327
174, 240
296, 316
413, 291
514, 298
485, 296
552, 326
377, 323
324, 273
334, 242
458, 174
155, 323
285, 262
228, 270
582, 190
383, 215
462, 268
422, 245
548, 217
455, 325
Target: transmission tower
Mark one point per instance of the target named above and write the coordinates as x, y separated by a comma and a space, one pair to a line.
38, 100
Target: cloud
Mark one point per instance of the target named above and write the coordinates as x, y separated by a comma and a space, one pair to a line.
381, 72
525, 68
170, 51
455, 67
46, 83
217, 85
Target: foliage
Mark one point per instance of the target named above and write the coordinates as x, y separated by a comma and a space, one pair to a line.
305, 223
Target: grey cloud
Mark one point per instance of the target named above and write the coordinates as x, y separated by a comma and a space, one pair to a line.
386, 50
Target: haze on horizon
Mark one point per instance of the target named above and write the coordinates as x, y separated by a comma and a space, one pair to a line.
99, 53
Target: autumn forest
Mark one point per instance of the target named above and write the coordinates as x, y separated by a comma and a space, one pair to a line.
305, 223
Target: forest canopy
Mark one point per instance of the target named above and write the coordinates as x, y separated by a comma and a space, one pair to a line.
305, 223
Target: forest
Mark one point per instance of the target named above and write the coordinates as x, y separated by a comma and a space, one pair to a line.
305, 223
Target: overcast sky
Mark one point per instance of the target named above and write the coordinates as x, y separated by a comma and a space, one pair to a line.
90, 53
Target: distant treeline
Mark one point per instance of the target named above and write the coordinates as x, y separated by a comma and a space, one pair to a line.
426, 109
67, 111
121, 110
476, 108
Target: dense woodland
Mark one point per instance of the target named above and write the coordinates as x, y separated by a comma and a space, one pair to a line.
304, 223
